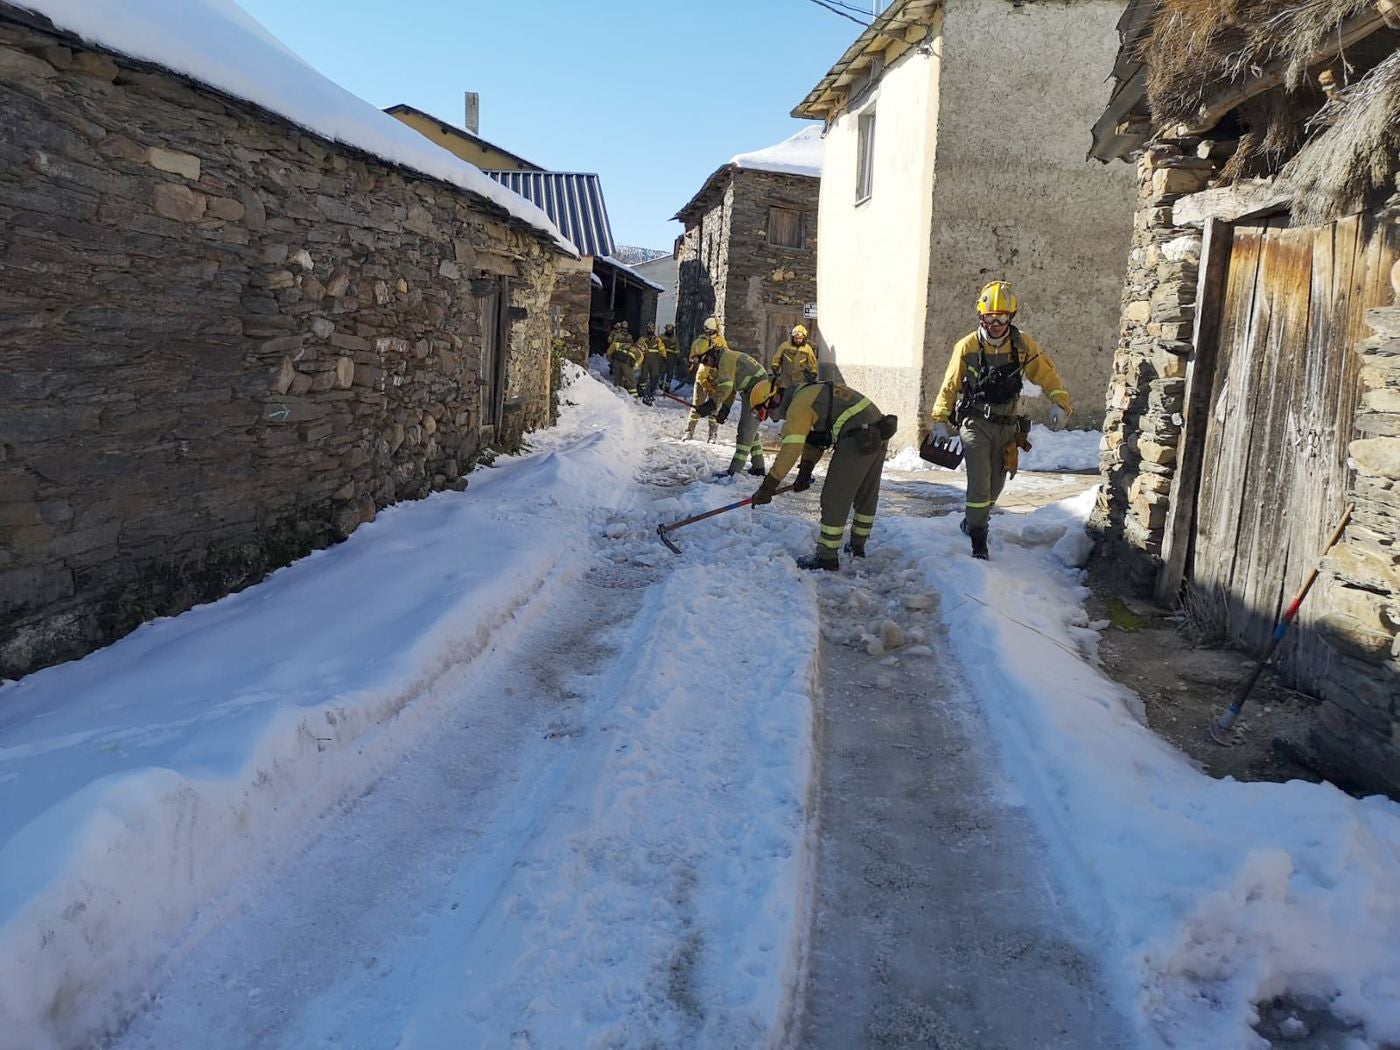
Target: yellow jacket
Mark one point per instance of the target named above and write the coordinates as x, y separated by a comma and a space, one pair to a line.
654, 345
735, 373
1038, 367
807, 409
620, 349
704, 385
794, 364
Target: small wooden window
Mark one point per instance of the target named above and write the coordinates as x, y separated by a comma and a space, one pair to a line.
865, 155
785, 228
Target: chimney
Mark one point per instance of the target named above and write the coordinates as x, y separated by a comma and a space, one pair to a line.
473, 123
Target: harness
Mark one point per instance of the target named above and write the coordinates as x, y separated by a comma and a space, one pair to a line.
834, 428
992, 385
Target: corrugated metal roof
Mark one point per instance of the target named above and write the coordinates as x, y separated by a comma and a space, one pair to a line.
572, 199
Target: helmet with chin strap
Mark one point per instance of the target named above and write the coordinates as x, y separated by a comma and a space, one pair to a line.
996, 306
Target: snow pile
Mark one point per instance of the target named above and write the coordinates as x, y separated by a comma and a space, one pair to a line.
1068, 450
140, 782
799, 154
217, 43
1207, 896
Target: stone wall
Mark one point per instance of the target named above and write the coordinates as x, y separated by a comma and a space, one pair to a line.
223, 342
1142, 418
728, 268
1359, 728
761, 277
703, 267
569, 307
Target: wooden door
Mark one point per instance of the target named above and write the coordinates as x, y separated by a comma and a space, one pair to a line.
494, 353
1281, 414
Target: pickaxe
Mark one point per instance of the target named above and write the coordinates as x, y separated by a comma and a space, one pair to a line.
662, 530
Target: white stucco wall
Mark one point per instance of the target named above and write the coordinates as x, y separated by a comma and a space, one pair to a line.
662, 271
1015, 197
872, 266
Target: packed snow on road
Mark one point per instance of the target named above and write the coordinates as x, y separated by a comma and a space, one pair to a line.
502, 770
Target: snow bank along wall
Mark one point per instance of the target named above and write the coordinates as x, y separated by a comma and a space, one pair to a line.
728, 265
225, 342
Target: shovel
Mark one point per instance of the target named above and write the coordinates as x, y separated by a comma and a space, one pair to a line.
1220, 728
662, 530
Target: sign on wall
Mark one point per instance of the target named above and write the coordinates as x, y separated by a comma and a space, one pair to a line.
809, 312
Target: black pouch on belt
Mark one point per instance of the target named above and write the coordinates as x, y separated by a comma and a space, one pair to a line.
868, 439
887, 426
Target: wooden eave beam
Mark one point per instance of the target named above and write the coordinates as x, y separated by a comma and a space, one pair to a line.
1213, 112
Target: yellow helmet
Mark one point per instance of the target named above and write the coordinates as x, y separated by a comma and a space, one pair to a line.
761, 392
997, 298
711, 325
799, 332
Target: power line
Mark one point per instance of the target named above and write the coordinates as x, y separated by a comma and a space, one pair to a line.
837, 11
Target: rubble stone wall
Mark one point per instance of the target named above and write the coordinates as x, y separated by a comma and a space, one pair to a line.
223, 342
762, 277
703, 267
1142, 417
1359, 726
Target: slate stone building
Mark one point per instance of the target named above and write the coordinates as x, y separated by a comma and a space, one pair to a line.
226, 340
749, 252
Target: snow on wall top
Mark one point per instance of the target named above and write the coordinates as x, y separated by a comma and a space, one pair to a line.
219, 44
799, 154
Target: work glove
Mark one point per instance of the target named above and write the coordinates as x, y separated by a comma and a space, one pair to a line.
766, 491
804, 477
1058, 417
940, 432
722, 414
706, 407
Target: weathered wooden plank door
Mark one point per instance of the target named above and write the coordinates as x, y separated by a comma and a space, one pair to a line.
1274, 465
779, 327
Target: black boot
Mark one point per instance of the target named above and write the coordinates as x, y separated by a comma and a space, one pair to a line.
815, 561
856, 550
979, 542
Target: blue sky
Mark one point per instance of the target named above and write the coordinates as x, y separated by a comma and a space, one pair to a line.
651, 94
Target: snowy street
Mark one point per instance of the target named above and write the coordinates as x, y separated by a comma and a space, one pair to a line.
502, 771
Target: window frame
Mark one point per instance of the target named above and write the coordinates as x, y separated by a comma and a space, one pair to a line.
865, 154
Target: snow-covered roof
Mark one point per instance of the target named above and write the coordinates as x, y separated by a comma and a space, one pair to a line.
799, 154
630, 270
219, 44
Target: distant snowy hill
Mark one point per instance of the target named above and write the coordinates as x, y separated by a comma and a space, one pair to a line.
631, 256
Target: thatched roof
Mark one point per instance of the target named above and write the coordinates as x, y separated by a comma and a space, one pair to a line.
1199, 47
1356, 154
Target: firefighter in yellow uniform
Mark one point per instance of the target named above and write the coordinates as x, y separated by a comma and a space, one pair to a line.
675, 363
623, 357
704, 394
980, 394
653, 352
735, 375
818, 416
704, 391
795, 362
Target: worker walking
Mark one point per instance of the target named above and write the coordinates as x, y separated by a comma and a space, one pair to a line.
735, 375
795, 362
653, 353
818, 416
980, 397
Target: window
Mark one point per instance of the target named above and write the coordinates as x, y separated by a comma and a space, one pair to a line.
865, 155
785, 228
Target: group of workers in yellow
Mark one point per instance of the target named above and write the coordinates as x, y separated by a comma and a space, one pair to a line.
976, 404
644, 366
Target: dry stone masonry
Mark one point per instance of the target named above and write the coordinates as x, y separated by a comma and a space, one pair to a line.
728, 267
224, 342
1360, 726
1143, 420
